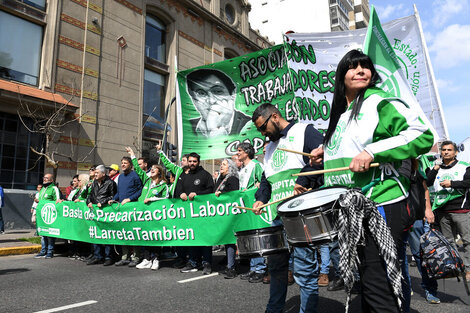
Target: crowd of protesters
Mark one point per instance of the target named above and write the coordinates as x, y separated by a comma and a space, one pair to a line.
137, 180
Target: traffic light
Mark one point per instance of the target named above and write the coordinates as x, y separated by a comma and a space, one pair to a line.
171, 152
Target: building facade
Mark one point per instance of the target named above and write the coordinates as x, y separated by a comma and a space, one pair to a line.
276, 17
80, 80
359, 18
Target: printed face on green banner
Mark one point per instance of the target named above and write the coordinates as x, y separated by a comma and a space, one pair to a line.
217, 101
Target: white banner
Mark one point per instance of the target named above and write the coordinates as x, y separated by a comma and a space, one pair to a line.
313, 59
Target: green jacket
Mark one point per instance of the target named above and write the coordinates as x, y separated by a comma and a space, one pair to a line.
49, 193
175, 169
150, 190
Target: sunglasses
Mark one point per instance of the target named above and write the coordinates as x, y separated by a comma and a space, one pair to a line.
262, 128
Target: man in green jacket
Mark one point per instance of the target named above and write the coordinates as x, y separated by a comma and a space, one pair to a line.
48, 192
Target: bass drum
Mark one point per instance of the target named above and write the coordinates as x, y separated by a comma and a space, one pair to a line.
261, 242
309, 218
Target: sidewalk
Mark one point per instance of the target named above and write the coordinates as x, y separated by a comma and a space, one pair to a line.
10, 243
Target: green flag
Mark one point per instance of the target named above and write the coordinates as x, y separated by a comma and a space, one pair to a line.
387, 64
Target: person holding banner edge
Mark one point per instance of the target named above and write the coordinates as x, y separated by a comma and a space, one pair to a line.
368, 124
269, 122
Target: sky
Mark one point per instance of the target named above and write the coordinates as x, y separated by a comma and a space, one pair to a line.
446, 28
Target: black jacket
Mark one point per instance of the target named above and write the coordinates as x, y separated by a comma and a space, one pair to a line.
102, 193
198, 181
232, 183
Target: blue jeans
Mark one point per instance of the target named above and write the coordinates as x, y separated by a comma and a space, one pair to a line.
419, 228
47, 244
2, 223
199, 255
406, 282
306, 276
257, 265
334, 257
97, 252
325, 259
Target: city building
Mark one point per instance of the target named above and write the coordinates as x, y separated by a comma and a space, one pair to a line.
272, 18
80, 80
359, 18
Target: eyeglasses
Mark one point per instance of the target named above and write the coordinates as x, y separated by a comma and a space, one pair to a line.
262, 128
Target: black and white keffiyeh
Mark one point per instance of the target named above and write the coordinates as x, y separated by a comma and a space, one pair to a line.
354, 208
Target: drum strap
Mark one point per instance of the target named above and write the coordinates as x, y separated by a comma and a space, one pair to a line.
354, 209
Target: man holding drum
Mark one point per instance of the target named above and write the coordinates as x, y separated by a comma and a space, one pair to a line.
276, 183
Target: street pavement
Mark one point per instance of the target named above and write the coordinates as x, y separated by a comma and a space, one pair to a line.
34, 285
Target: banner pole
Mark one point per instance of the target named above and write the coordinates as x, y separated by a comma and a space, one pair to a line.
431, 71
167, 113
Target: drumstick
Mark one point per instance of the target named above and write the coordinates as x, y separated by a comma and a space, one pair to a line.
245, 208
330, 170
279, 200
293, 151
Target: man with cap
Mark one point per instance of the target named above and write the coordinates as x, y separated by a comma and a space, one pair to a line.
113, 171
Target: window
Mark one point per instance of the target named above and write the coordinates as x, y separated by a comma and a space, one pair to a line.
20, 59
229, 14
155, 39
154, 96
20, 168
155, 74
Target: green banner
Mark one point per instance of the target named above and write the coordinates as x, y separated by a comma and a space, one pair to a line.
205, 221
216, 101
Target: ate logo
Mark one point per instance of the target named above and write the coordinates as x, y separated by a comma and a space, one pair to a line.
49, 213
279, 159
389, 82
335, 140
197, 182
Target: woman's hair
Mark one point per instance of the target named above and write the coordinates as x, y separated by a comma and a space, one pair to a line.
161, 173
248, 148
232, 168
350, 60
84, 178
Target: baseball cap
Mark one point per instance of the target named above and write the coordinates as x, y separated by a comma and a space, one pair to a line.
114, 167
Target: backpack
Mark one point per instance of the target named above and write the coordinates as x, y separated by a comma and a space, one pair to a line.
439, 257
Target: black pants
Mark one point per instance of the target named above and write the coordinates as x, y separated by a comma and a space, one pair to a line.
377, 293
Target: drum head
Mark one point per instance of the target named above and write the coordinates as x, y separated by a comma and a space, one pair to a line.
311, 199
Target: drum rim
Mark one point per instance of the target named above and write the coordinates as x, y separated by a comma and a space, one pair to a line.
304, 193
263, 230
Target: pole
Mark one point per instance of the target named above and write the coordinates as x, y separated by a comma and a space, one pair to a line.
167, 113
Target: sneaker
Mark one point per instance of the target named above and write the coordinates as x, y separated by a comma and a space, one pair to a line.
155, 265
144, 264
336, 285
108, 262
230, 273
189, 268
49, 256
94, 261
206, 269
122, 263
431, 297
246, 276
323, 280
40, 255
133, 263
256, 278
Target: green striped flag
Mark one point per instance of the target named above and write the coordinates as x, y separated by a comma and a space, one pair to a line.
379, 49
